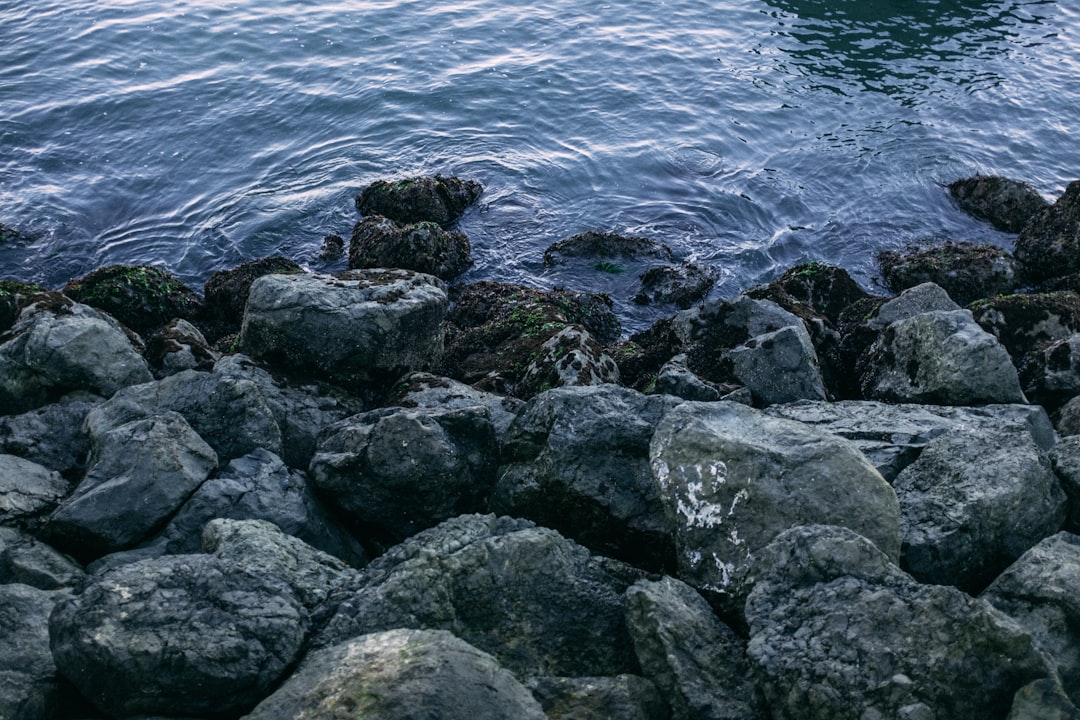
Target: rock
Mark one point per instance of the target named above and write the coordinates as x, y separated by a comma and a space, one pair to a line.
913, 301
624, 697
396, 471
51, 435
780, 366
400, 674
698, 663
9, 234
1065, 459
29, 688
261, 545
541, 604
602, 245
439, 199
1007, 204
1049, 245
259, 486
1068, 422
140, 473
732, 479
821, 289
25, 559
28, 490
179, 346
973, 503
1024, 323
226, 291
421, 389
333, 248
378, 242
681, 285
141, 297
676, 379
179, 635
838, 631
1051, 376
56, 348
577, 460
370, 324
14, 296
1041, 592
939, 357
570, 357
641, 357
1042, 700
968, 271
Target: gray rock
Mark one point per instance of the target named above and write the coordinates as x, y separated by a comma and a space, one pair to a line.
179, 346
1065, 459
541, 604
1041, 592
577, 460
1068, 422
29, 688
54, 349
698, 663
141, 472
378, 242
676, 379
28, 490
1052, 373
25, 559
939, 357
179, 635
398, 675
421, 389
52, 436
623, 697
838, 631
732, 478
438, 198
260, 545
1049, 243
1042, 700
347, 329
780, 366
923, 298
396, 471
567, 358
973, 503
1007, 204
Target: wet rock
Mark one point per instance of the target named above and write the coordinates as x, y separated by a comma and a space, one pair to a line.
378, 242
624, 697
27, 560
681, 285
822, 289
140, 473
396, 471
601, 245
1068, 418
333, 248
838, 631
9, 234
577, 460
177, 346
226, 291
400, 674
1049, 245
967, 271
541, 604
1051, 375
570, 357
973, 503
141, 297
439, 199
1065, 459
29, 687
421, 389
641, 357
1042, 700
1007, 204
58, 347
732, 478
140, 639
28, 490
923, 298
698, 663
676, 379
1024, 323
352, 329
14, 296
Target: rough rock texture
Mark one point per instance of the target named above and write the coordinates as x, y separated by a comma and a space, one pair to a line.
141, 637
1068, 418
1065, 459
676, 379
396, 471
348, 329
28, 490
379, 242
539, 603
779, 366
939, 357
577, 460
839, 632
141, 472
698, 663
25, 559
226, 291
1049, 245
569, 357
1042, 700
623, 697
51, 435
732, 478
967, 271
1026, 322
681, 285
142, 297
822, 289
1007, 204
439, 199
14, 296
56, 348
973, 503
1051, 376
421, 389
177, 346
401, 675
1041, 591
923, 298
598, 244
29, 687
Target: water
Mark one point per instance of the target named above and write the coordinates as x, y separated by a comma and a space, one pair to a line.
747, 134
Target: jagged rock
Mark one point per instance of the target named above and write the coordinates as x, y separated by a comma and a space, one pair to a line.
698, 663
140, 473
1049, 245
967, 271
623, 697
28, 490
179, 635
974, 502
780, 366
1007, 204
378, 242
1051, 376
14, 296
396, 471
1042, 700
51, 435
568, 358
681, 285
541, 604
27, 560
1065, 459
421, 389
823, 289
439, 199
1025, 322
913, 301
142, 297
29, 687
577, 460
1068, 418
226, 291
177, 346
598, 244
350, 329
676, 379
58, 347
398, 675
732, 478
838, 631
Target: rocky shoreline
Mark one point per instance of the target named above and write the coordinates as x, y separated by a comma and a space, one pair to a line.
383, 494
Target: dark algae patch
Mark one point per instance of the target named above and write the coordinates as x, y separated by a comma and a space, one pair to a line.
140, 296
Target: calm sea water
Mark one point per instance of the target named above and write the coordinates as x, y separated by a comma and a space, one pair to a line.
747, 134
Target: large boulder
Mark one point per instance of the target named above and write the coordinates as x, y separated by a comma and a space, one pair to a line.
142, 297
1025, 322
28, 490
439, 199
29, 686
379, 242
1051, 375
51, 435
1049, 245
182, 635
351, 329
422, 389
27, 560
732, 479
838, 631
968, 271
401, 674
570, 357
812, 288
577, 460
1007, 204
226, 291
541, 604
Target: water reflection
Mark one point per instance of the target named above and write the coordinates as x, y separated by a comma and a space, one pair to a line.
902, 47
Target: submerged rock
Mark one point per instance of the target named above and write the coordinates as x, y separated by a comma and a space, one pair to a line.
378, 242
439, 199
595, 244
1007, 204
681, 285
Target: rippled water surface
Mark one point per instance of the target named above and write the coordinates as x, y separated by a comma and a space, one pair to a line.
746, 134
